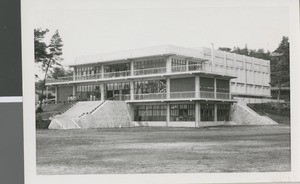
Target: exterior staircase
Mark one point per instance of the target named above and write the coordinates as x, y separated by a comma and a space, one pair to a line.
93, 114
241, 114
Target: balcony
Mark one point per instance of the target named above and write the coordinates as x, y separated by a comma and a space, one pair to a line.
179, 95
207, 68
150, 96
183, 94
150, 71
117, 74
60, 79
88, 77
199, 67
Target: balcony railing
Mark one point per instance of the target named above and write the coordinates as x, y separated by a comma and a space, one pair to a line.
150, 96
117, 74
150, 71
184, 94
204, 68
122, 97
60, 79
179, 95
88, 77
206, 94
223, 95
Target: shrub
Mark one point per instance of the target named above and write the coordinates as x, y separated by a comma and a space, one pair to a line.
40, 123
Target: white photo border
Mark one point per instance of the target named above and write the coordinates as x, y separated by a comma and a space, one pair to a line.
27, 13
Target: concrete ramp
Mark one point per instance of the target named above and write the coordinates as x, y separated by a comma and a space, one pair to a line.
87, 115
241, 114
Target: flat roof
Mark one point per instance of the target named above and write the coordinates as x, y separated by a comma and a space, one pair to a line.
199, 53
140, 53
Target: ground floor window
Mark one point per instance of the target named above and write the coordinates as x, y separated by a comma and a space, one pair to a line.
223, 112
150, 113
114, 90
88, 92
182, 112
207, 112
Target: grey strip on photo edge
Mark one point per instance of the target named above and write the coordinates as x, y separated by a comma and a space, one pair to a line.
11, 99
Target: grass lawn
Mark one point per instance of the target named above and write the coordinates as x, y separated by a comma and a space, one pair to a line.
164, 150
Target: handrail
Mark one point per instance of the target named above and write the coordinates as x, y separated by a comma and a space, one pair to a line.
149, 71
182, 94
204, 67
223, 95
206, 94
150, 96
124, 73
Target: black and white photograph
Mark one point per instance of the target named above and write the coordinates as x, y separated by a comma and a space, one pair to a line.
126, 88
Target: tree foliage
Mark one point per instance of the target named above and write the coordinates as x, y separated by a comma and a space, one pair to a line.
48, 55
280, 65
40, 47
260, 53
59, 72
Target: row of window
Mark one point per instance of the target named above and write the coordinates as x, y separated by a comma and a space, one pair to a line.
150, 63
88, 70
181, 112
150, 113
153, 86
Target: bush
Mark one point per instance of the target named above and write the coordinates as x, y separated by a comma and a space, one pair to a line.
39, 110
282, 109
40, 123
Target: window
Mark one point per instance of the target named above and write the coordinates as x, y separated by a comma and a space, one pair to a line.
207, 112
150, 113
149, 63
151, 86
182, 112
223, 112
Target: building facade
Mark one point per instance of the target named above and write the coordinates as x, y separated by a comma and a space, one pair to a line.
168, 85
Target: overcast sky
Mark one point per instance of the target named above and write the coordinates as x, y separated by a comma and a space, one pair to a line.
94, 28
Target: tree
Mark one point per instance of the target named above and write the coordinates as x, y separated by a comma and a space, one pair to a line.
280, 65
40, 47
59, 72
260, 53
226, 49
48, 55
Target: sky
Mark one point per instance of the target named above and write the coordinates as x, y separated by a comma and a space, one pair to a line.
106, 26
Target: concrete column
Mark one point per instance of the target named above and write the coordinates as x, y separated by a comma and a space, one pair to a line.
131, 90
168, 114
215, 87
74, 73
216, 113
102, 71
131, 68
229, 81
187, 65
102, 92
56, 95
197, 113
197, 86
74, 90
168, 87
169, 64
